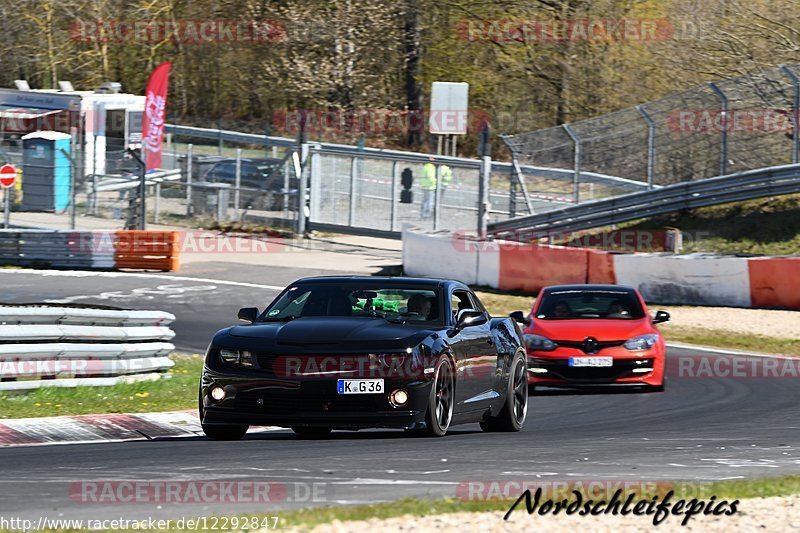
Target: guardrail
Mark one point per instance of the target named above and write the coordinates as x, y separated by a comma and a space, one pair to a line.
772, 181
105, 183
70, 347
145, 250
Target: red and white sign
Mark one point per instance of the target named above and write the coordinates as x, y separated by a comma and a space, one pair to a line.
155, 107
8, 175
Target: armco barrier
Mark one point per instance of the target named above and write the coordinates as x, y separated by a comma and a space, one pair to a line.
87, 250
693, 279
68, 347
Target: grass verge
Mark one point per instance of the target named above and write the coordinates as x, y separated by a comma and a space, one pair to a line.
730, 490
769, 226
720, 338
176, 393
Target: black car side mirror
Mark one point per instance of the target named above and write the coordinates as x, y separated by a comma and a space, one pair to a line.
470, 317
248, 314
520, 317
661, 316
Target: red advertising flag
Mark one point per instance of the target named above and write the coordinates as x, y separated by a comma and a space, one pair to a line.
154, 112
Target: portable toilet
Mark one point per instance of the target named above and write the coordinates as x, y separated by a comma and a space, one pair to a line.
46, 171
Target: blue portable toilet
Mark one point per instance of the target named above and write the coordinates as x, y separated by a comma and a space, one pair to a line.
46, 171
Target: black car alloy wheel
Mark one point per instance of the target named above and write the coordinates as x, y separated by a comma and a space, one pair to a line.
515, 409
440, 406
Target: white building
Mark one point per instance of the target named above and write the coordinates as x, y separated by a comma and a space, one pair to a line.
103, 123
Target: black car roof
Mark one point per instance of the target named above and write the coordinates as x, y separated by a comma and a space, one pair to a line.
394, 280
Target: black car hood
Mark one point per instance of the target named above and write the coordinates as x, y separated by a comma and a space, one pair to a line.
309, 331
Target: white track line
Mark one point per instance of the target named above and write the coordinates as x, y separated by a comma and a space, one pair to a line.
723, 351
92, 274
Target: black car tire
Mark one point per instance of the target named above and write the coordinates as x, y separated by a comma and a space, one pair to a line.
311, 433
514, 411
441, 401
220, 431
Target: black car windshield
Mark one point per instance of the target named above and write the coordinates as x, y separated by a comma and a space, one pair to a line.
395, 304
585, 303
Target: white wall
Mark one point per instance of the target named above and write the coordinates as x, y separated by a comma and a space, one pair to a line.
693, 279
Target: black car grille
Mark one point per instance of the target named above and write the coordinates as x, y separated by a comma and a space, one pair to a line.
604, 374
286, 364
287, 403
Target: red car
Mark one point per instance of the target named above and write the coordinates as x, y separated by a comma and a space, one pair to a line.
593, 335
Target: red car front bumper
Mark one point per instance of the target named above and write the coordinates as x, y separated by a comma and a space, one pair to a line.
559, 368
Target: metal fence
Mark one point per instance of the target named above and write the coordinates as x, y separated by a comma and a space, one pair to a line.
721, 128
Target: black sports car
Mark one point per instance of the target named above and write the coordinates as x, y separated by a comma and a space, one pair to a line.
361, 352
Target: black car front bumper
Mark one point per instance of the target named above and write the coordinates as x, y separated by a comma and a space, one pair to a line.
268, 401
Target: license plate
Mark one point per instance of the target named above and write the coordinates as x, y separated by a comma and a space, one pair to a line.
591, 361
359, 386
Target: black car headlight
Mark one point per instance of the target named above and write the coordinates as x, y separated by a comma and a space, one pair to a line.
539, 343
236, 357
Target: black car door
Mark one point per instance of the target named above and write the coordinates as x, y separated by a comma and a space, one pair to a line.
475, 358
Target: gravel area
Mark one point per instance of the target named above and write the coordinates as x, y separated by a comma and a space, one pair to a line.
772, 323
760, 514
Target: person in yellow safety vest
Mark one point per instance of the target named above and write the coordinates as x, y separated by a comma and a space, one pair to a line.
428, 185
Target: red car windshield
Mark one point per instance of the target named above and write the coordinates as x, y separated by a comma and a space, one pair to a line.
577, 303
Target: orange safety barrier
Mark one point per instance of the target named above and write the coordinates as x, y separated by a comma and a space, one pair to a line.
600, 268
529, 267
774, 282
147, 250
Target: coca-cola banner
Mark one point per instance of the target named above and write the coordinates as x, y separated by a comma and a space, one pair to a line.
154, 112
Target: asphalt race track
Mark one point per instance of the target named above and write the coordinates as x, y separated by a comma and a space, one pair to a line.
704, 427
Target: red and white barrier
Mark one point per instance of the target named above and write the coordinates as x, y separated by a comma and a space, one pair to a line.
693, 279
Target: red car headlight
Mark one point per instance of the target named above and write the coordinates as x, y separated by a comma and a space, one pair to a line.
539, 343
642, 342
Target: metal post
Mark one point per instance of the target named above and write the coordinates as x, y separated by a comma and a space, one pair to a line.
189, 158
483, 182
6, 208
237, 183
512, 190
72, 193
142, 188
723, 138
795, 113
437, 198
93, 202
351, 217
576, 180
142, 199
651, 146
393, 197
157, 205
302, 166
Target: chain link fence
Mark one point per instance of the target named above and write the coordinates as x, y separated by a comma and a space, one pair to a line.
721, 128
